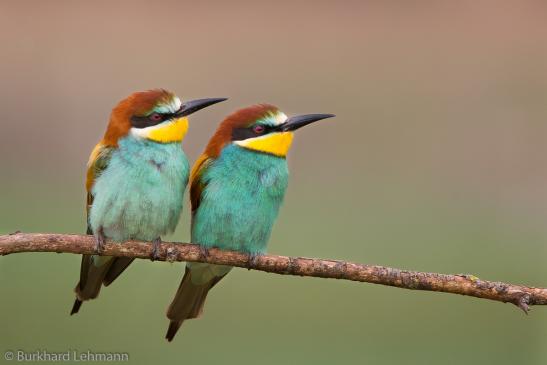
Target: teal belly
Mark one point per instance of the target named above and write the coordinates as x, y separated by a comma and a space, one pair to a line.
241, 200
140, 194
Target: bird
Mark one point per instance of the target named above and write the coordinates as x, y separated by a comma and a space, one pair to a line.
236, 188
135, 181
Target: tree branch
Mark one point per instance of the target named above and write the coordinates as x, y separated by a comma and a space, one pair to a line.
521, 296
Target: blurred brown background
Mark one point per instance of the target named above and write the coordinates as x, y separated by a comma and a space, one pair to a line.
435, 162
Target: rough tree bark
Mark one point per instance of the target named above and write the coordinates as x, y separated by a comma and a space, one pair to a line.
519, 295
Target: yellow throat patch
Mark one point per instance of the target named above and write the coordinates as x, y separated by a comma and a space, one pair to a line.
174, 131
277, 143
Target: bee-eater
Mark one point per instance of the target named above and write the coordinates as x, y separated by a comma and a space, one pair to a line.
136, 177
236, 188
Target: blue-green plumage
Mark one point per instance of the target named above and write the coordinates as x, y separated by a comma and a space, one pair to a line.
242, 193
140, 194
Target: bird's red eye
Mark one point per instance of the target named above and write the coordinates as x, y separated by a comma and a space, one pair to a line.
155, 117
258, 129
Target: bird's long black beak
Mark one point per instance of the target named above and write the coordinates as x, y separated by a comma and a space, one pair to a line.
193, 106
298, 121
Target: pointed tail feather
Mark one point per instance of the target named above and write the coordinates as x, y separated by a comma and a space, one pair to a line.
190, 297
119, 264
91, 278
172, 330
76, 306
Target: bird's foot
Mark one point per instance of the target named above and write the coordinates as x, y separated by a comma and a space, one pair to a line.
156, 250
253, 260
99, 242
204, 252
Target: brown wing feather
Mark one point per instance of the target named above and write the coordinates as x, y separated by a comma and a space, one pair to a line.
196, 180
98, 162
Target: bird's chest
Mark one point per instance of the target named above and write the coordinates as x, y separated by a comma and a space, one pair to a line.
140, 194
240, 204
252, 194
253, 186
152, 177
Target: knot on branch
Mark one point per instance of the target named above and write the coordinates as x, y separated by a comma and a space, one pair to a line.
522, 301
171, 254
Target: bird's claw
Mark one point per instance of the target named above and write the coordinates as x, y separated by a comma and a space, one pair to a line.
253, 260
99, 242
156, 249
204, 252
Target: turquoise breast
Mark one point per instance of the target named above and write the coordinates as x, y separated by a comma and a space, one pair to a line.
240, 202
140, 194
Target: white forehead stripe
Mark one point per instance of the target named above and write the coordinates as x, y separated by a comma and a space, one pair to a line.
171, 107
280, 118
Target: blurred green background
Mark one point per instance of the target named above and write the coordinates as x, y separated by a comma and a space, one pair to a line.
435, 162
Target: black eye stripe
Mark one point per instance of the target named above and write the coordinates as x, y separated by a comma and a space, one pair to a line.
239, 134
147, 121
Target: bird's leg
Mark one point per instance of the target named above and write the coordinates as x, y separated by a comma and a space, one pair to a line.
156, 250
203, 252
99, 241
253, 260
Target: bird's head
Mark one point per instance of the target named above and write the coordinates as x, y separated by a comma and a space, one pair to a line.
261, 128
156, 115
